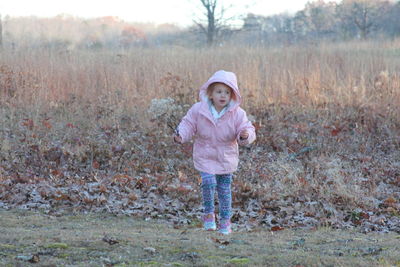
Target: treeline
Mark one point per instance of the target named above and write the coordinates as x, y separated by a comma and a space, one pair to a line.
68, 32
318, 21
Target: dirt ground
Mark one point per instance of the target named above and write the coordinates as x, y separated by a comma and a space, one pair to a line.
37, 239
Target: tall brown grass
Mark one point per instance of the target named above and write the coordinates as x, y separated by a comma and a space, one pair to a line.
81, 113
361, 74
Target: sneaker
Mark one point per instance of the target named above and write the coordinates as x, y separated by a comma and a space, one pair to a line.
225, 227
209, 222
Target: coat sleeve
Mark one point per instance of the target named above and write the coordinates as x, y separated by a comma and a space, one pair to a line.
187, 127
243, 123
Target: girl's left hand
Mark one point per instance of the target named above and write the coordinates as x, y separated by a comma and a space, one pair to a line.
244, 134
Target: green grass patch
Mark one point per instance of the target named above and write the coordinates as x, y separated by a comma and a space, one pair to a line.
239, 261
7, 246
57, 245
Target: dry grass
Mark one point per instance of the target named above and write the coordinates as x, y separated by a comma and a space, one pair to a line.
79, 117
353, 74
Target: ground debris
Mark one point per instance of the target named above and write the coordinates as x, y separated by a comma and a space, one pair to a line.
110, 240
150, 250
29, 258
323, 182
371, 251
189, 256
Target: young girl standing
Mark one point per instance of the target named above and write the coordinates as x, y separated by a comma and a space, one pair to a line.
218, 125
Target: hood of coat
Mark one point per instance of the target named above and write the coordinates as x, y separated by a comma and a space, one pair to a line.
225, 77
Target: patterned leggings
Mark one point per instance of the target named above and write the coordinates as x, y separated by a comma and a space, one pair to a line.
223, 184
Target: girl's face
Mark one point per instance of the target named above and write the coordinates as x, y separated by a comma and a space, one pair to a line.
221, 95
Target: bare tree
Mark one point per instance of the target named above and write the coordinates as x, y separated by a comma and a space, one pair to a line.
215, 20
362, 18
364, 14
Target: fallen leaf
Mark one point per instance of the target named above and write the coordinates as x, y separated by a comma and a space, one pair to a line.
35, 259
95, 164
221, 241
110, 240
277, 228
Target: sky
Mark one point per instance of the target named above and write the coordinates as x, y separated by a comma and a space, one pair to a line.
180, 12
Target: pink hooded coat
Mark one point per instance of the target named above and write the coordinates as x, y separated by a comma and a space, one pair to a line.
215, 148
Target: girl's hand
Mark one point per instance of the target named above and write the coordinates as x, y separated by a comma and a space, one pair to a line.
244, 135
178, 139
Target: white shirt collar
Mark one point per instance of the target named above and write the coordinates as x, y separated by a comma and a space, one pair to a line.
214, 112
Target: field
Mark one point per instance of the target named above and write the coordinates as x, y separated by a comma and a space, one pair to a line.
90, 131
96, 239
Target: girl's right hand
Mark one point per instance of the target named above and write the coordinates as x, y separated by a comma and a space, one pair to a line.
178, 139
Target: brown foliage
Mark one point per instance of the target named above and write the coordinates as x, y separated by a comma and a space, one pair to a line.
323, 156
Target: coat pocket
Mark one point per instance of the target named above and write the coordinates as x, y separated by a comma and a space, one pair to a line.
230, 157
204, 153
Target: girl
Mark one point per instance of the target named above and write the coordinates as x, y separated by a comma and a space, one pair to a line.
218, 125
